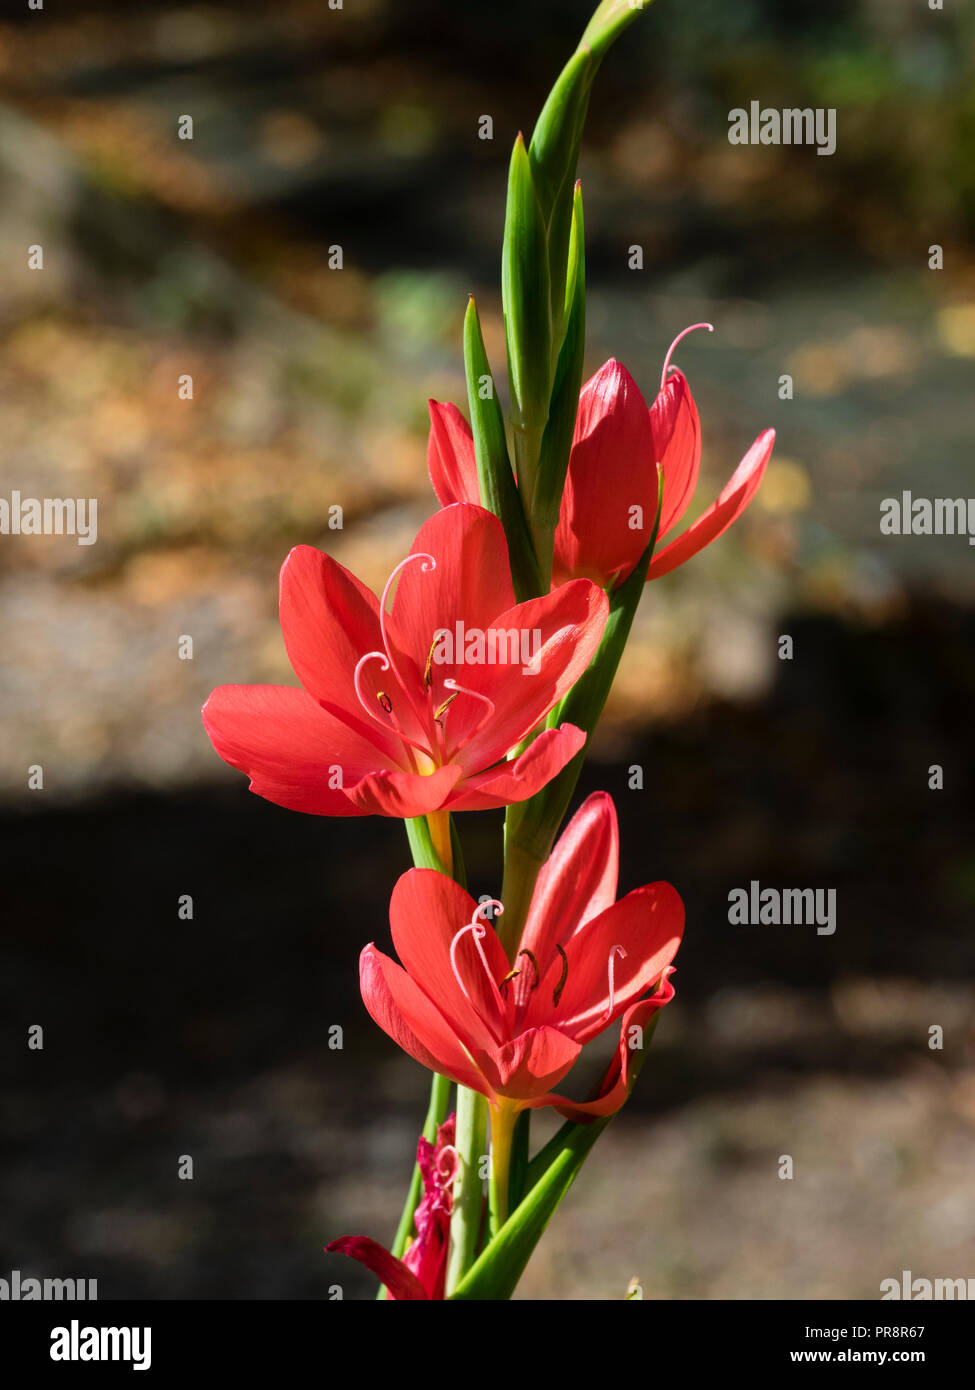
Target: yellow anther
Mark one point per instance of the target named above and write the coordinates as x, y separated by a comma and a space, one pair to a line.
442, 709
428, 668
503, 986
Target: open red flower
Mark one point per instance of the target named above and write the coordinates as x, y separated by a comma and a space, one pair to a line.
610, 499
412, 708
585, 960
422, 1272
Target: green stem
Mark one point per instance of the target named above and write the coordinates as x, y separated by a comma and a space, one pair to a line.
465, 1220
521, 872
435, 845
503, 1118
432, 842
520, 1147
439, 823
527, 441
542, 533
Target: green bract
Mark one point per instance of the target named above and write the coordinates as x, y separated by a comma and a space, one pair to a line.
495, 479
543, 297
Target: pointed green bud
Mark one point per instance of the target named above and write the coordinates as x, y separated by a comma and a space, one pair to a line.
557, 439
525, 295
495, 478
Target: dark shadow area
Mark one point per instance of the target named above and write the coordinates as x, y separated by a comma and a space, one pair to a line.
210, 1036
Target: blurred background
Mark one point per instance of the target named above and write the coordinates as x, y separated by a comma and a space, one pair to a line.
316, 128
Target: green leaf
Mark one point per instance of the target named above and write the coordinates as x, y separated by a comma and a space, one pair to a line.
609, 21
526, 298
496, 481
554, 154
556, 139
496, 1272
575, 284
552, 1172
554, 144
557, 440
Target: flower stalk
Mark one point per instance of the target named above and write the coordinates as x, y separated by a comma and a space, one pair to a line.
430, 849
504, 1116
467, 1216
548, 531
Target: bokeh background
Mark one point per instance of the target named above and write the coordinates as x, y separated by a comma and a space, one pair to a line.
315, 128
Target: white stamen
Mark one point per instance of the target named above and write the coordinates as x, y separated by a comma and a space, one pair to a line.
616, 951
479, 931
670, 352
451, 684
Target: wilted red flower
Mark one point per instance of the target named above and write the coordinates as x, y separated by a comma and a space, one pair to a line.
422, 1272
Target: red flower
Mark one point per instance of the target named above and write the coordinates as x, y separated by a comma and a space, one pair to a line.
584, 961
392, 719
610, 497
422, 1272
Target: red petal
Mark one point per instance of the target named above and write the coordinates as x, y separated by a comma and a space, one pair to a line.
611, 470
405, 1013
516, 781
529, 1065
648, 923
559, 634
450, 456
676, 431
290, 747
616, 1084
426, 911
329, 620
401, 1282
471, 582
734, 498
386, 793
426, 1255
579, 879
